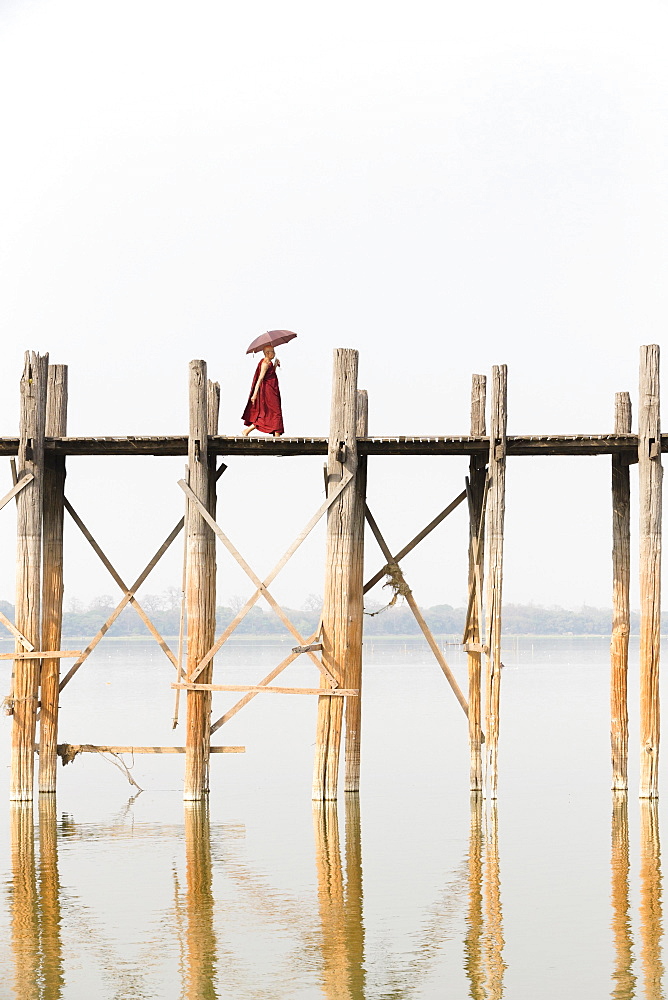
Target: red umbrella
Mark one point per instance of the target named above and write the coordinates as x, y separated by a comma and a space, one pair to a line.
271, 338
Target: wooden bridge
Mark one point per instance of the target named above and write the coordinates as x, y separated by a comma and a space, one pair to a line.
38, 459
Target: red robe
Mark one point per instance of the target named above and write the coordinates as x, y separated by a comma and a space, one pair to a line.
265, 413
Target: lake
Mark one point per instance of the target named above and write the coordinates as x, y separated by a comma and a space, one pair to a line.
408, 890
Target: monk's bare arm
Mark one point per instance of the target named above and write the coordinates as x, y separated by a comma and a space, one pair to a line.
263, 372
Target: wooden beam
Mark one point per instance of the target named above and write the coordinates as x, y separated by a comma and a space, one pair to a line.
476, 493
341, 462
650, 476
200, 590
353, 660
52, 577
272, 675
16, 489
496, 508
264, 689
418, 538
53, 654
412, 604
621, 607
72, 749
28, 571
15, 632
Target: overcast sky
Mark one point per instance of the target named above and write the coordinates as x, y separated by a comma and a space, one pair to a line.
443, 186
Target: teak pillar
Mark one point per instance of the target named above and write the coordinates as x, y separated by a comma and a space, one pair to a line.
341, 460
353, 677
650, 475
52, 576
28, 571
477, 473
496, 509
200, 590
621, 608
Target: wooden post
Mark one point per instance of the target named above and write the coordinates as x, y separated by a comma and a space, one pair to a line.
52, 576
650, 475
341, 459
496, 508
200, 590
477, 473
621, 608
353, 678
28, 571
200, 934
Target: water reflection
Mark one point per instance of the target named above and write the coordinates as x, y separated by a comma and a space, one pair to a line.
200, 950
24, 908
624, 980
484, 942
651, 913
342, 930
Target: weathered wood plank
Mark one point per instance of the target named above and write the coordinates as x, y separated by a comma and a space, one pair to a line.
353, 660
474, 631
265, 689
28, 571
200, 590
341, 461
496, 508
650, 483
52, 577
621, 608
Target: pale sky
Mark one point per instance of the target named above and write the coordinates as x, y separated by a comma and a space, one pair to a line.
441, 186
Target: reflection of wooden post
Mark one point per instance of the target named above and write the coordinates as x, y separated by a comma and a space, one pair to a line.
341, 459
474, 933
651, 907
28, 572
52, 974
494, 941
476, 544
649, 497
335, 970
201, 938
354, 900
52, 576
621, 924
24, 918
496, 508
621, 608
353, 678
200, 591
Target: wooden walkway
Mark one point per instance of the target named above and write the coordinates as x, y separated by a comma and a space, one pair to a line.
535, 444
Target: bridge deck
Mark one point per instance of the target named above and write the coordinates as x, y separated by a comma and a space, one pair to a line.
539, 444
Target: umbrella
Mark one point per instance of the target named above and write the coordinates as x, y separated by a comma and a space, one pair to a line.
271, 338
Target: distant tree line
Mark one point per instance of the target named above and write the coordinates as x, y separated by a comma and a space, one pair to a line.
165, 609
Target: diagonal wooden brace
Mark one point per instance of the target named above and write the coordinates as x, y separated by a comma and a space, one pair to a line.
128, 597
16, 489
418, 538
262, 585
426, 631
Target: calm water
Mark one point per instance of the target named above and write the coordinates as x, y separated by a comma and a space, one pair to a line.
407, 891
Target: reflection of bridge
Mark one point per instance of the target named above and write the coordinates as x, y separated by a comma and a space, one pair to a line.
335, 649
50, 927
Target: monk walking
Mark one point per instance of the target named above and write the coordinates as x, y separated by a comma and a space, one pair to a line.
263, 409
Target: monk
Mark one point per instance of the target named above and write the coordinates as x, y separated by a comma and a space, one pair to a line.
263, 409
